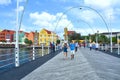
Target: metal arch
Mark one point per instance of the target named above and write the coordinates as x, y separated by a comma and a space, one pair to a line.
23, 13
81, 8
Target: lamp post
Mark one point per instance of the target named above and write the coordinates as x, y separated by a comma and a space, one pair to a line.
111, 50
17, 42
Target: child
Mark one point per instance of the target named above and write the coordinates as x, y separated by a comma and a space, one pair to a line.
65, 50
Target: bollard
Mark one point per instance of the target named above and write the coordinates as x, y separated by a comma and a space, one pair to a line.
33, 52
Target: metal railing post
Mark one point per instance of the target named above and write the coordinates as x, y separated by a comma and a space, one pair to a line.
33, 52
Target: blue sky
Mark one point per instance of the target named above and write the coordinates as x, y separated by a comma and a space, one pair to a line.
56, 14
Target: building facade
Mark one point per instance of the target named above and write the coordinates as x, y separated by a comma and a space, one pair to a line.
31, 36
7, 35
46, 36
21, 37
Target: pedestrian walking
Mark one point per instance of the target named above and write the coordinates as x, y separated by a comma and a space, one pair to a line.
96, 46
90, 46
76, 46
65, 50
53, 47
72, 49
84, 44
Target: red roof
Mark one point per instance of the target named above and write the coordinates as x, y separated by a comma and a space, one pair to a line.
10, 31
49, 32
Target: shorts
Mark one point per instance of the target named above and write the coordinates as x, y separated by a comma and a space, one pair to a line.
72, 51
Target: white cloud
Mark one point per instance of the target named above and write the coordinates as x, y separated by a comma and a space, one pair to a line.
100, 3
20, 8
5, 2
86, 15
49, 21
110, 14
105, 7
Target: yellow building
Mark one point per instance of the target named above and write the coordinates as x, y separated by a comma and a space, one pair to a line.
46, 36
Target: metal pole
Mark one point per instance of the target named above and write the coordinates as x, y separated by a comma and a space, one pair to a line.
17, 42
111, 50
33, 52
111, 43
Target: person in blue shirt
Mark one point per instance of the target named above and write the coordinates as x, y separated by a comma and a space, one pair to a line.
72, 49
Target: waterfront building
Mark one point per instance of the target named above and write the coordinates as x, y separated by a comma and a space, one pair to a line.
36, 37
21, 37
46, 36
108, 34
31, 36
6, 35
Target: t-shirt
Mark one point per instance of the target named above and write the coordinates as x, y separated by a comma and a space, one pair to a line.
72, 46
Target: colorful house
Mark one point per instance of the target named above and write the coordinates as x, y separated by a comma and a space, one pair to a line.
31, 36
7, 35
21, 37
46, 36
36, 37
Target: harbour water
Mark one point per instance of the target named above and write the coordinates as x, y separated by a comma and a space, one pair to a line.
7, 56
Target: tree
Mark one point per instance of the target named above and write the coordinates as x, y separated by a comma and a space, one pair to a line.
114, 39
29, 42
26, 41
75, 36
58, 41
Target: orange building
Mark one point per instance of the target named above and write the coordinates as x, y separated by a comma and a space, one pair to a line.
7, 35
31, 36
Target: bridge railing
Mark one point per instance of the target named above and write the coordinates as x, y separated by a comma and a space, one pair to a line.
7, 59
